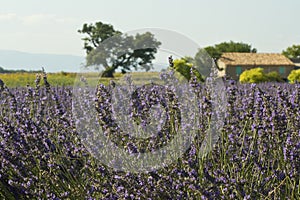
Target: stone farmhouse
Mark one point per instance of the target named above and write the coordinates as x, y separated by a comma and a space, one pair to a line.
233, 64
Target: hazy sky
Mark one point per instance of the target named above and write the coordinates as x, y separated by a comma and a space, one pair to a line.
51, 26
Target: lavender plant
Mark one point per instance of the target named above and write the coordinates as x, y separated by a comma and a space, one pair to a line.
257, 156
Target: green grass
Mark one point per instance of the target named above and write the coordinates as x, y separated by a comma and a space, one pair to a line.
26, 78
69, 79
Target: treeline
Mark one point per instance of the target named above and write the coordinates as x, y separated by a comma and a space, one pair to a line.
9, 71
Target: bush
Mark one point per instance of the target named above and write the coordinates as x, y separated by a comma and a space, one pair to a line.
253, 76
185, 68
274, 77
257, 75
294, 76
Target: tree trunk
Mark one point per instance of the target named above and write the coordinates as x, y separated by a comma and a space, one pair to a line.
109, 72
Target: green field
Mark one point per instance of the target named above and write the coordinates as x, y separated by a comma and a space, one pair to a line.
66, 79
23, 79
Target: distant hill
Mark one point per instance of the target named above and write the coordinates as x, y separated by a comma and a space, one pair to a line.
16, 60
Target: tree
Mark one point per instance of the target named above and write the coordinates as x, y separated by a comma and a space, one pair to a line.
294, 76
111, 49
186, 69
216, 51
2, 70
257, 75
292, 52
203, 62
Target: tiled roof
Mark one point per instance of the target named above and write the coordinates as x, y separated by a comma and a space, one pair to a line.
255, 59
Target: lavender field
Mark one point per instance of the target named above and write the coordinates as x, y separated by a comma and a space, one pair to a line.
256, 157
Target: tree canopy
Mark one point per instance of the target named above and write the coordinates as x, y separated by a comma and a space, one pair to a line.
185, 68
199, 66
216, 51
109, 48
292, 51
203, 62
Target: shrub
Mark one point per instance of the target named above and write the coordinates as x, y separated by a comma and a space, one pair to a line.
274, 77
294, 76
253, 76
257, 75
185, 68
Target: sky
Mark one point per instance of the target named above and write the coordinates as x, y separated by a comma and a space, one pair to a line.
50, 26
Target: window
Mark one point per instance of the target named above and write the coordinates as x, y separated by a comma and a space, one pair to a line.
281, 70
238, 70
